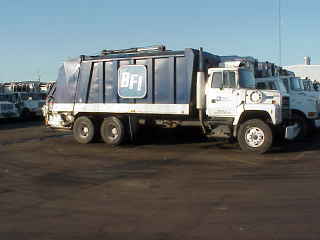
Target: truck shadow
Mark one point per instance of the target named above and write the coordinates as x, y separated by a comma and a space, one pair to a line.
180, 136
189, 135
311, 143
7, 124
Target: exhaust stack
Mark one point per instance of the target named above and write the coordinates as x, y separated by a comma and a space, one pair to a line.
201, 100
307, 60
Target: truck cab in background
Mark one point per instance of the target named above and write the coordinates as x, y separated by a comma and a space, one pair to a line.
7, 108
29, 104
304, 105
310, 87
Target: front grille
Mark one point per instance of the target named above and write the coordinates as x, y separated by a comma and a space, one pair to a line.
5, 107
286, 102
286, 108
286, 113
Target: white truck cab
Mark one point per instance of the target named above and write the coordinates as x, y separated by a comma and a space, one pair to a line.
231, 91
7, 108
304, 100
30, 103
304, 105
255, 115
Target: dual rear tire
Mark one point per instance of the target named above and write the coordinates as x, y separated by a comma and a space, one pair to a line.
111, 130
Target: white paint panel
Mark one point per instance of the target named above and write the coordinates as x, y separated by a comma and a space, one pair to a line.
181, 109
62, 107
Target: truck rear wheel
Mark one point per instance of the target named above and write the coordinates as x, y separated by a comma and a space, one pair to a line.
83, 130
255, 136
113, 131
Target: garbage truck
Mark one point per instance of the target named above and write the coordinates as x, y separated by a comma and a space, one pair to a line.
109, 95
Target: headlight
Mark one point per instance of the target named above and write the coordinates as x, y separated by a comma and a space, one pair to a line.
256, 97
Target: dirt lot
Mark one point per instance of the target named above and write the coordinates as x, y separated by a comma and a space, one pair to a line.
167, 187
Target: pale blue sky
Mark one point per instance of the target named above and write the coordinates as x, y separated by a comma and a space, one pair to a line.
38, 35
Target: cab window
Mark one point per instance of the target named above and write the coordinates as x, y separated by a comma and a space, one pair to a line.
286, 83
225, 80
295, 84
231, 79
261, 85
216, 80
272, 86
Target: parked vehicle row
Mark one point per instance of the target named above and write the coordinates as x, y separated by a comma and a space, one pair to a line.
24, 105
110, 95
7, 108
304, 101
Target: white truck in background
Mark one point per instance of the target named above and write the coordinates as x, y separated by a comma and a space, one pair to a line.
304, 104
7, 109
28, 104
110, 94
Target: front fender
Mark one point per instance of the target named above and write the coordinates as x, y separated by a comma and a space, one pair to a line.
273, 111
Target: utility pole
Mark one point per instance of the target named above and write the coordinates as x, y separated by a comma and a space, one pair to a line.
280, 33
38, 73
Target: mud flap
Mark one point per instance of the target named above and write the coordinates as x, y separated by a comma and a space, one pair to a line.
317, 123
292, 131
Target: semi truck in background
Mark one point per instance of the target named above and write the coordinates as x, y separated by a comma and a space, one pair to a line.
111, 94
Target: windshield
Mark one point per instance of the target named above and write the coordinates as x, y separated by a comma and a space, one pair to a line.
282, 87
32, 96
246, 79
295, 84
4, 98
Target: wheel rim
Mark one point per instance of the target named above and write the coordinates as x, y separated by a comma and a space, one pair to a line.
254, 137
84, 131
112, 132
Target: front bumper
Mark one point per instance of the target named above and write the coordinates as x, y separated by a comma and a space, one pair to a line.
292, 131
9, 115
317, 123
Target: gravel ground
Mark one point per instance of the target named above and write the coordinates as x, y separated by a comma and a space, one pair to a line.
172, 185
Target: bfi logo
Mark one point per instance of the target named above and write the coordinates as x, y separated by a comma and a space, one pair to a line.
132, 81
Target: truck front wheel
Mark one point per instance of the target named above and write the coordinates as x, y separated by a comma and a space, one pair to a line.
113, 131
83, 130
255, 136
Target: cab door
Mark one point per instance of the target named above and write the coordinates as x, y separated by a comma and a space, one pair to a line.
222, 94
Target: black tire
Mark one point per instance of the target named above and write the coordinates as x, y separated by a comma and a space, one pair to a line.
83, 130
112, 131
255, 136
26, 115
303, 124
